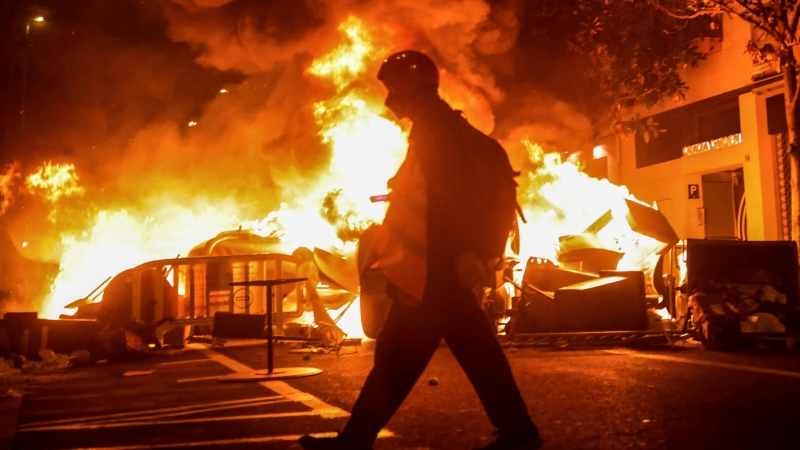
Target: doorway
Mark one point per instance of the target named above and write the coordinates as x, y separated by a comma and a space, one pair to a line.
724, 204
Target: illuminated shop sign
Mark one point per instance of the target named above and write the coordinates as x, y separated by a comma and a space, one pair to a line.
714, 144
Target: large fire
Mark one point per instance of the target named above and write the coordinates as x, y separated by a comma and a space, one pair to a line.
366, 150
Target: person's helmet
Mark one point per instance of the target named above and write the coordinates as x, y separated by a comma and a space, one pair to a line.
408, 71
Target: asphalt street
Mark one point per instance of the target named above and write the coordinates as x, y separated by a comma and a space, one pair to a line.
653, 397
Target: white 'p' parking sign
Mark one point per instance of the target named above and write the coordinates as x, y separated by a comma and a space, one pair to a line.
694, 191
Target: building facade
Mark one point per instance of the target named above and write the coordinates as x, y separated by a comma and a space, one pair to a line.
717, 170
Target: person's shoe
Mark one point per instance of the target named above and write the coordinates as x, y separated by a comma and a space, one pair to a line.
515, 442
329, 443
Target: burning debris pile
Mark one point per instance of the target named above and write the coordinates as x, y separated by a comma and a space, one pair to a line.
591, 290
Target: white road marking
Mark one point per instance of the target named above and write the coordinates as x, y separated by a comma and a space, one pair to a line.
153, 411
142, 423
719, 365
189, 361
153, 414
188, 380
254, 440
321, 408
286, 393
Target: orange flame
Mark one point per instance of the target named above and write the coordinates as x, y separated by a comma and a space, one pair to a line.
7, 180
366, 149
117, 240
346, 63
559, 199
54, 181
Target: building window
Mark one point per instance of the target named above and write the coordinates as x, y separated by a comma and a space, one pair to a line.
776, 115
702, 121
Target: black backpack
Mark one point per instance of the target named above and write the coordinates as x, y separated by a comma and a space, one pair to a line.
494, 190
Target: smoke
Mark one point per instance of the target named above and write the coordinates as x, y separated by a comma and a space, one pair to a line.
550, 122
257, 36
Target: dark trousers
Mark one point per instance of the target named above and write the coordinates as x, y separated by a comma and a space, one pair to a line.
408, 340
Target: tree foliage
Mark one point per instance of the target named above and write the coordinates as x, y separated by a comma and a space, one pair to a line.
635, 53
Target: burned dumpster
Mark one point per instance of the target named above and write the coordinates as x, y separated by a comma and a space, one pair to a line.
741, 291
556, 299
